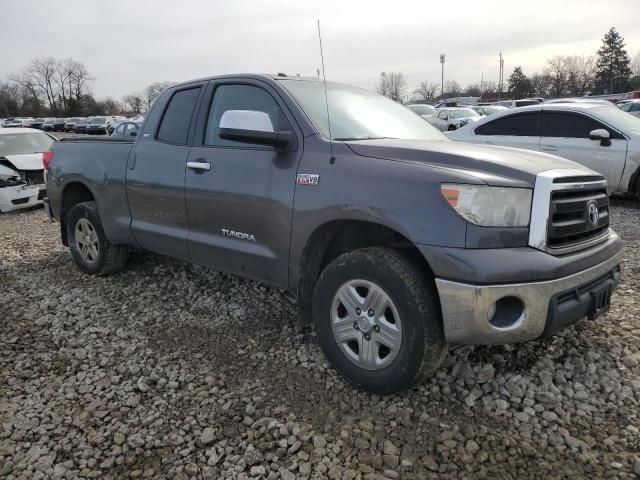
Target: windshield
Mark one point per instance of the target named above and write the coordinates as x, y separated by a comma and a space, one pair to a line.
358, 114
623, 121
422, 109
463, 113
24, 143
98, 120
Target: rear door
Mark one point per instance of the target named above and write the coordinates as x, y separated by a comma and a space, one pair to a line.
240, 207
566, 134
156, 173
519, 130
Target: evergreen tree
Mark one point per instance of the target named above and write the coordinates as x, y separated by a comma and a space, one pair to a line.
519, 83
613, 66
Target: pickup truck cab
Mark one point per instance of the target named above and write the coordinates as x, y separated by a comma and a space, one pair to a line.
395, 240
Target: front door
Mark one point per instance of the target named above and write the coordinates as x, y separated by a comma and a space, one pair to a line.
239, 196
566, 134
155, 179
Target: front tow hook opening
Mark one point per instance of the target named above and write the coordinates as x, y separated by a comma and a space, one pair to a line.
507, 313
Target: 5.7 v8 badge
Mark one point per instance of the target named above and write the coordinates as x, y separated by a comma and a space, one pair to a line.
308, 179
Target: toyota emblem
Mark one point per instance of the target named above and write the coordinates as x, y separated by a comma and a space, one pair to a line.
594, 214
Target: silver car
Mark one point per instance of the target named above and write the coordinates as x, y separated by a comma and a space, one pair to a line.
632, 107
449, 119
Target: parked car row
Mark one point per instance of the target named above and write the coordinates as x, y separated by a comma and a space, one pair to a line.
90, 125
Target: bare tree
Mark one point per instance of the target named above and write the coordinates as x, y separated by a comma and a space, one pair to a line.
489, 87
153, 91
580, 73
427, 91
540, 84
472, 90
59, 84
558, 72
451, 87
79, 79
133, 103
392, 85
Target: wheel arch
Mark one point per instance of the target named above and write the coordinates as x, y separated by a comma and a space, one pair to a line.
332, 239
73, 193
634, 184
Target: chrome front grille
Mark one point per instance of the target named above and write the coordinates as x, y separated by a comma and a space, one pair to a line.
564, 210
570, 219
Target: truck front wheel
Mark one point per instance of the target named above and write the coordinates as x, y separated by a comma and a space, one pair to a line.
90, 249
378, 320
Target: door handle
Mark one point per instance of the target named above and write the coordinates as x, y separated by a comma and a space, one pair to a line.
199, 165
549, 148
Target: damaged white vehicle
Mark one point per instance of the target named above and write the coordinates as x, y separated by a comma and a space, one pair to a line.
21, 171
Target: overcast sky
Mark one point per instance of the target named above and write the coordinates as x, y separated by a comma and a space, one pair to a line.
127, 44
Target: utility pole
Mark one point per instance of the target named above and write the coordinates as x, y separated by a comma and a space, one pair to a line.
442, 56
500, 75
482, 84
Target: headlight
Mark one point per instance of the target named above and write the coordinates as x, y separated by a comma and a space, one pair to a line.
490, 206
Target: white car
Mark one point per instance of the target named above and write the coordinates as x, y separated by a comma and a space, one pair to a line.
448, 119
632, 107
21, 171
602, 138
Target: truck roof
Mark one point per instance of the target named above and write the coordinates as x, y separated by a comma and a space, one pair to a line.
254, 76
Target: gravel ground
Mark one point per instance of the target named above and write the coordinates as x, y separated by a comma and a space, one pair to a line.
171, 370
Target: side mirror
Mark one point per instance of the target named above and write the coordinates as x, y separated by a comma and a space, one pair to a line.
251, 126
602, 135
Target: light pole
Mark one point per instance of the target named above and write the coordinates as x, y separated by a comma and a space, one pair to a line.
442, 56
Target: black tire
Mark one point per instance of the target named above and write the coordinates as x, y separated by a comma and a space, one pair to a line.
422, 347
638, 189
110, 258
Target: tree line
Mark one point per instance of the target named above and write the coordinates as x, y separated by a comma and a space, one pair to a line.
610, 70
63, 88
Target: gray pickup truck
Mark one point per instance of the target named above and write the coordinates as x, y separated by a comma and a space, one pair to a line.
395, 240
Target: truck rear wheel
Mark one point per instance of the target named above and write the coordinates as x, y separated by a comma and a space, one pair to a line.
90, 249
378, 320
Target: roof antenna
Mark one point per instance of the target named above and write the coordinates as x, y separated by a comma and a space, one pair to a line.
326, 97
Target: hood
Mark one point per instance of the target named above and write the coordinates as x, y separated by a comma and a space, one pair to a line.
488, 163
29, 161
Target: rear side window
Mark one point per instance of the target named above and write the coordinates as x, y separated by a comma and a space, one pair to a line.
568, 125
519, 125
241, 97
174, 127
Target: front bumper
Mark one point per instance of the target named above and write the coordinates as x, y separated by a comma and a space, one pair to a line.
24, 196
539, 309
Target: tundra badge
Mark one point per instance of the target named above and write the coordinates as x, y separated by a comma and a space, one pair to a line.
308, 179
240, 235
